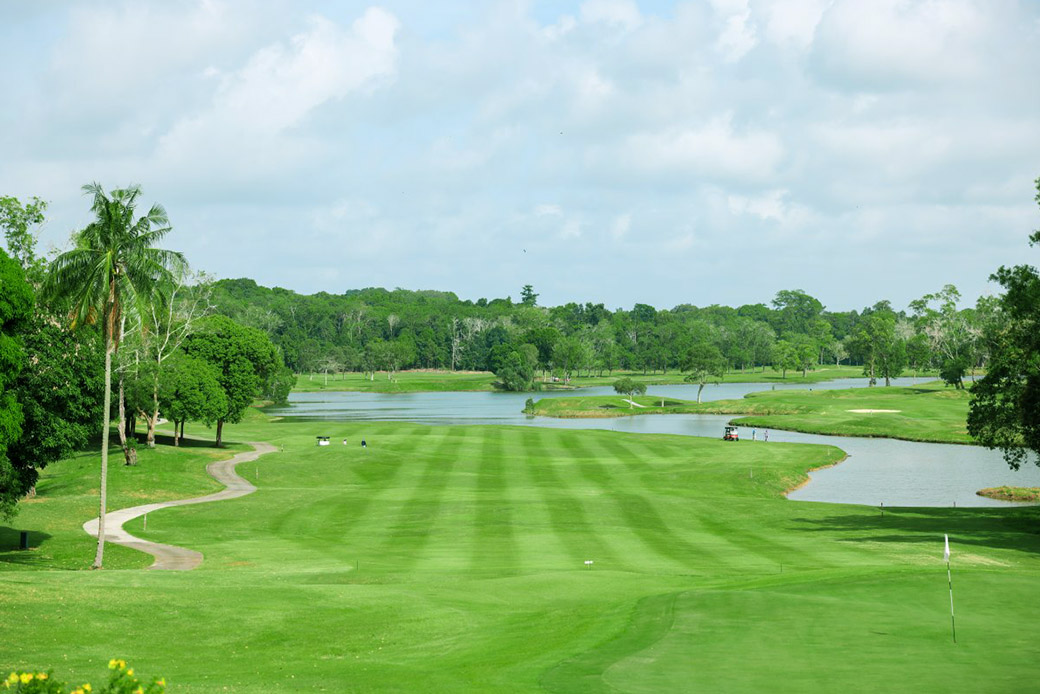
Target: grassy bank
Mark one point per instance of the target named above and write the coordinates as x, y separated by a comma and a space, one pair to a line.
1024, 494
929, 412
436, 381
453, 559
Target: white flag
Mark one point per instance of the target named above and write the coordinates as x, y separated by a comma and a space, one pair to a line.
946, 554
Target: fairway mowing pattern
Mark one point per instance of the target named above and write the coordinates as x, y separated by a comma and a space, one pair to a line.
451, 559
636, 515
569, 519
494, 546
416, 523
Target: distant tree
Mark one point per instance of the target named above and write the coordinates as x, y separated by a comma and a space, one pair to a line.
516, 371
527, 296
948, 332
629, 387
704, 364
114, 268
918, 353
243, 358
796, 312
20, 224
785, 357
327, 364
1005, 408
882, 351
16, 302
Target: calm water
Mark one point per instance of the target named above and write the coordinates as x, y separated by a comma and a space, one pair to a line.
896, 473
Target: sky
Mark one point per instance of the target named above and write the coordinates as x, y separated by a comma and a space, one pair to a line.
610, 151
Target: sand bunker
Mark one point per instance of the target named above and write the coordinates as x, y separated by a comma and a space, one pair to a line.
871, 411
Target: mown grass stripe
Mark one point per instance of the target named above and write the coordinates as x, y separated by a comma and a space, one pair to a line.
493, 543
411, 530
569, 517
639, 515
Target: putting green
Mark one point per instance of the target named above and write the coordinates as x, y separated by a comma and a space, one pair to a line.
453, 559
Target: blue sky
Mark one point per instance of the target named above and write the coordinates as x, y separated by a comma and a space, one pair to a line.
605, 150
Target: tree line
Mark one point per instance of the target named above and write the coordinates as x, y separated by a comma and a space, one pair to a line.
370, 330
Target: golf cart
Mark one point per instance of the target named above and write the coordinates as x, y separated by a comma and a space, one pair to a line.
731, 434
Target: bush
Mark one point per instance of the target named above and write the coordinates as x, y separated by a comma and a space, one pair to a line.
121, 680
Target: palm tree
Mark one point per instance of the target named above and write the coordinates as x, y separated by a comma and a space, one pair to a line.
114, 269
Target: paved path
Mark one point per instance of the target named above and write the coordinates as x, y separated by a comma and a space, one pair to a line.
169, 557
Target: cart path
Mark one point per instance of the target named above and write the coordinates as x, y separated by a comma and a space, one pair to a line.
171, 557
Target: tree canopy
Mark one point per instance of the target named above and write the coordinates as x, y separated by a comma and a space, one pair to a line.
1005, 407
15, 307
243, 359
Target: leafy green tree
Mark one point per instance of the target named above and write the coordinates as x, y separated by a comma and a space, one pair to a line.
114, 268
1005, 408
60, 395
527, 296
785, 357
877, 344
918, 353
796, 312
948, 332
20, 224
191, 392
16, 302
704, 364
629, 387
244, 360
516, 372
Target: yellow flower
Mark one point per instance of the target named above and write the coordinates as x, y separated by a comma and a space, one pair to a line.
26, 677
138, 691
162, 682
87, 687
77, 691
41, 675
112, 664
130, 672
13, 677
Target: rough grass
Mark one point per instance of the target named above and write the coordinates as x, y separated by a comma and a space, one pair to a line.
929, 412
452, 559
1011, 493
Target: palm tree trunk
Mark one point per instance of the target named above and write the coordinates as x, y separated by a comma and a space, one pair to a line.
104, 455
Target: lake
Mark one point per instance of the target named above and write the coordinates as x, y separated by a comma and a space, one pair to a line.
896, 473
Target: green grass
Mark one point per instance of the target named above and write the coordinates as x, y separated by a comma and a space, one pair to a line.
1024, 494
436, 381
402, 382
929, 412
452, 559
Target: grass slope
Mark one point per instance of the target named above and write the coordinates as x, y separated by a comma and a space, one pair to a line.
452, 559
929, 412
436, 381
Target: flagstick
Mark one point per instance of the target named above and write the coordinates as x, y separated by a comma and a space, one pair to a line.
953, 624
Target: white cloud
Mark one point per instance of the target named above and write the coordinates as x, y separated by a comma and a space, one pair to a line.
791, 22
281, 85
886, 43
571, 229
620, 226
738, 33
622, 13
715, 150
547, 210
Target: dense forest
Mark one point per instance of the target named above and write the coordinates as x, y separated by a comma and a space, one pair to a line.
377, 329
